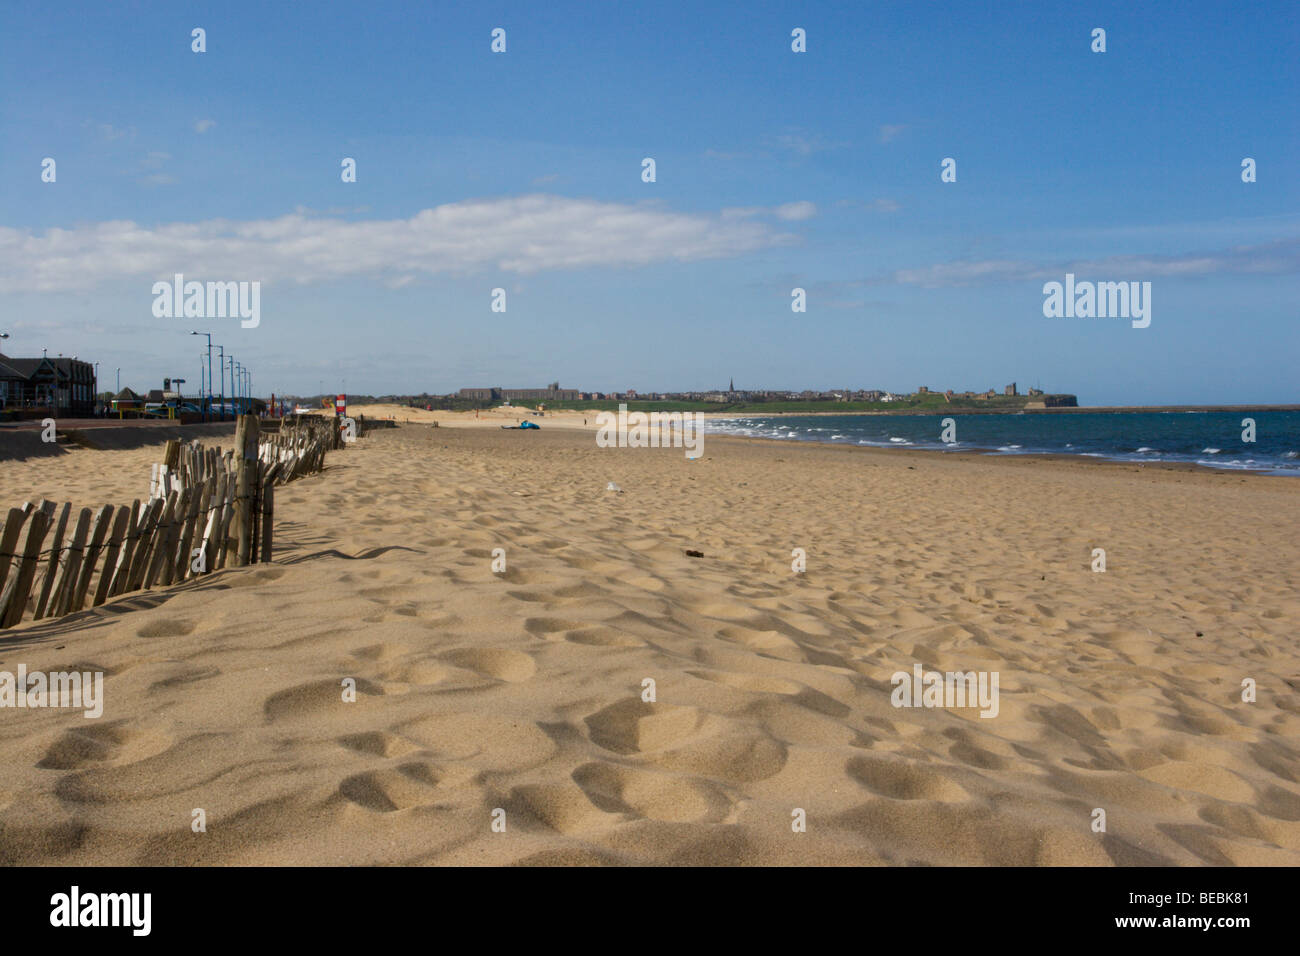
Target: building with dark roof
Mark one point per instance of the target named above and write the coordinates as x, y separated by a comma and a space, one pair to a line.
552, 392
59, 386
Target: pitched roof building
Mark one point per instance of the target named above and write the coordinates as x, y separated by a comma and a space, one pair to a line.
61, 385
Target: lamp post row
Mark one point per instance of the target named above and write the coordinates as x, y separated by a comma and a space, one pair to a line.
241, 380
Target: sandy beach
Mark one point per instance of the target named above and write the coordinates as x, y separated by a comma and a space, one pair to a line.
522, 690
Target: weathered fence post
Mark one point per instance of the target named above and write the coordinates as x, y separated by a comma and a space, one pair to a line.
245, 476
222, 505
268, 515
13, 602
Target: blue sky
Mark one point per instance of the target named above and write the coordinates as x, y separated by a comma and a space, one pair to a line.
775, 169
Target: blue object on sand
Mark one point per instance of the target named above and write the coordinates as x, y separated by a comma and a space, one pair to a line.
529, 425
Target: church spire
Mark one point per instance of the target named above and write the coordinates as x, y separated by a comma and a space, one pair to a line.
733, 384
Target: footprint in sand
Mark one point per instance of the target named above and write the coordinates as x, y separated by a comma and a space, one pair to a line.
166, 627
900, 779
306, 699
764, 643
655, 796
545, 626
585, 590
500, 663
727, 610
646, 582
112, 744
599, 636
633, 726
378, 743
419, 673
1209, 779
735, 754
601, 566
36, 845
384, 791
760, 684
381, 652
190, 675
252, 578
564, 807
481, 741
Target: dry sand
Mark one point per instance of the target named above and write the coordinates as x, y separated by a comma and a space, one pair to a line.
522, 691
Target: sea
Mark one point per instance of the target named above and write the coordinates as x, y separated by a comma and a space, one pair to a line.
1212, 439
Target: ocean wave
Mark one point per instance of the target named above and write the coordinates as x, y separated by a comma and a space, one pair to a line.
1014, 436
1248, 464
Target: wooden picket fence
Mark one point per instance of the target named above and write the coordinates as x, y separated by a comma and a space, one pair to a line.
206, 510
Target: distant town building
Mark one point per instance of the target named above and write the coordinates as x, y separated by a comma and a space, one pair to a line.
1010, 389
127, 400
552, 392
62, 386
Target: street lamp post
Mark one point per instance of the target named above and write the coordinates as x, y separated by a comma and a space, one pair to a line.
208, 411
180, 396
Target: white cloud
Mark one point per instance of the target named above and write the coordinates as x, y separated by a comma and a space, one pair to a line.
879, 205
110, 133
790, 211
795, 211
1281, 257
203, 125
516, 234
722, 154
802, 142
890, 132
